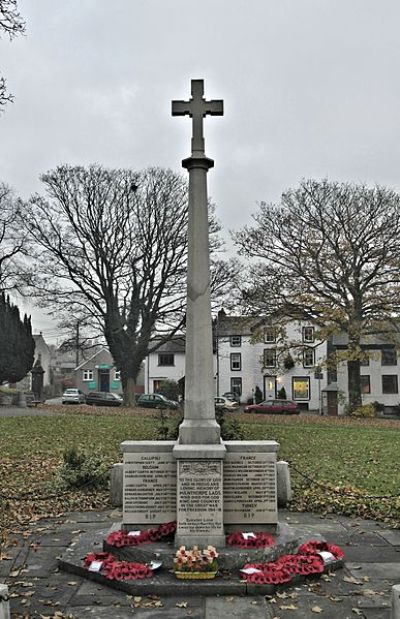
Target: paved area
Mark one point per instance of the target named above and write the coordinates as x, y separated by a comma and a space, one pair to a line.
361, 589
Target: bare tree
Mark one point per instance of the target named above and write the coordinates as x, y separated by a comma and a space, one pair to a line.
112, 251
12, 24
329, 252
14, 245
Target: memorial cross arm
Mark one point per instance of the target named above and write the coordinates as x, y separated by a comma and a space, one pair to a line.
197, 107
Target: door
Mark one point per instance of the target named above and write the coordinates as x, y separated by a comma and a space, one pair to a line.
332, 403
104, 380
269, 387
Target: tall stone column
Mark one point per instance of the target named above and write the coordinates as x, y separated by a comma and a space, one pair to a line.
199, 425
199, 451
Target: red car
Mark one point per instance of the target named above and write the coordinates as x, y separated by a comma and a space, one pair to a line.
274, 407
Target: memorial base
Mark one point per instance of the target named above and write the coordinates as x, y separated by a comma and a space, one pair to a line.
209, 490
200, 495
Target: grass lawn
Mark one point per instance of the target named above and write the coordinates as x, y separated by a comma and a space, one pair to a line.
350, 460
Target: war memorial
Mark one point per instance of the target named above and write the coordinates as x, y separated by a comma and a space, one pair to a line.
198, 491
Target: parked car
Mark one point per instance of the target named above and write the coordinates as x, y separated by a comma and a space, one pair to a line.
103, 398
233, 397
274, 407
73, 396
224, 404
156, 400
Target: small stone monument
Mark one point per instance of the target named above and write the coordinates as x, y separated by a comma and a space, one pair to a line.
208, 486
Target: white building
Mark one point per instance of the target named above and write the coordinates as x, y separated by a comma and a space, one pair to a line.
380, 372
269, 356
166, 363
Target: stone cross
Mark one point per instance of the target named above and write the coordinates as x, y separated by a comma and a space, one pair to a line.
199, 451
197, 107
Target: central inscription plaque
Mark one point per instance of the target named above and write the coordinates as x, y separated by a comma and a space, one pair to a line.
149, 488
250, 495
200, 497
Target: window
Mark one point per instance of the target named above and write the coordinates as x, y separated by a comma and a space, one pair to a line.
365, 384
389, 383
236, 386
389, 356
157, 384
309, 358
308, 334
301, 388
87, 375
269, 335
269, 358
236, 361
117, 375
235, 340
165, 359
364, 363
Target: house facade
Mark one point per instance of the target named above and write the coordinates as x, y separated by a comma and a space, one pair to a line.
251, 354
98, 373
166, 363
380, 373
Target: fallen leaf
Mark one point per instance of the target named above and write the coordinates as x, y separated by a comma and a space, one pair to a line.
335, 598
289, 607
357, 611
15, 573
317, 609
181, 605
352, 580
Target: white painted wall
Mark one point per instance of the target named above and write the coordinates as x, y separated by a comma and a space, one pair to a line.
375, 370
153, 371
254, 374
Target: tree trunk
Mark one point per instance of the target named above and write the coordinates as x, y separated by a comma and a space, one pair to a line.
128, 387
354, 384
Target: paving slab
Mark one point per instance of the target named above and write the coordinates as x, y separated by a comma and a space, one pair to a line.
376, 571
238, 608
369, 554
391, 536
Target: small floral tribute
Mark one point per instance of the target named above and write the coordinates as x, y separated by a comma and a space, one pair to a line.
113, 569
250, 540
120, 539
196, 563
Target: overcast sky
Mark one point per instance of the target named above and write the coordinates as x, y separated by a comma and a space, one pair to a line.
311, 88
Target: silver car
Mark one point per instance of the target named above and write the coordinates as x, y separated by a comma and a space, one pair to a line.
73, 396
224, 404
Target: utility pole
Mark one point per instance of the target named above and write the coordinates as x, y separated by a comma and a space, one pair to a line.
77, 344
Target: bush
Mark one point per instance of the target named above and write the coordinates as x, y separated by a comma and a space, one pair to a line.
82, 469
169, 389
364, 411
378, 406
258, 395
282, 393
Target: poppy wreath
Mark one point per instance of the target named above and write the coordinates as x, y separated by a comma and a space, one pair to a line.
118, 570
314, 546
283, 569
260, 540
120, 539
271, 573
302, 564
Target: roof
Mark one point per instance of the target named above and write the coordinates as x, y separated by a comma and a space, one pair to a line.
175, 345
235, 325
92, 357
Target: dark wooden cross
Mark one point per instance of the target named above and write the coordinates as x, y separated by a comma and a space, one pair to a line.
197, 107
